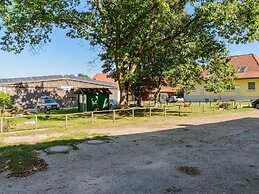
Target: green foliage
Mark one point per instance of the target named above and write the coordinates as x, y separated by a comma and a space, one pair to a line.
5, 100
220, 75
9, 124
83, 75
223, 105
180, 93
170, 42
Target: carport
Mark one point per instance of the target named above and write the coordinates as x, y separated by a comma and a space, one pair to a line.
93, 99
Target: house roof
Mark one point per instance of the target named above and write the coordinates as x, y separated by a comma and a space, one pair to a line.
104, 77
249, 63
166, 89
50, 78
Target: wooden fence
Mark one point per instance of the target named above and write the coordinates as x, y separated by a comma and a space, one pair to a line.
176, 109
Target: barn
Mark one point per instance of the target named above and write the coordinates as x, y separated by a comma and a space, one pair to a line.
26, 91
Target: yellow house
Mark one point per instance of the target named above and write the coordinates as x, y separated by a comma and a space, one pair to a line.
246, 85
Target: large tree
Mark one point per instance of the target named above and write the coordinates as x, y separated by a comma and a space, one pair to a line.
129, 32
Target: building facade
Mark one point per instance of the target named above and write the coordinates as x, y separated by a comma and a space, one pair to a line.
25, 92
246, 85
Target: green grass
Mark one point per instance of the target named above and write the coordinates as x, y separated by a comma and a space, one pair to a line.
56, 123
62, 111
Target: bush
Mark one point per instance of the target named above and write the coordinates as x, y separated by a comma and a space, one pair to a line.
9, 124
223, 105
5, 100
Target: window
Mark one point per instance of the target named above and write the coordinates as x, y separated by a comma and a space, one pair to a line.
50, 101
251, 85
242, 69
230, 88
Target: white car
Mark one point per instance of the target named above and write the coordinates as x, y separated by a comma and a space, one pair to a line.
46, 103
180, 99
113, 103
175, 99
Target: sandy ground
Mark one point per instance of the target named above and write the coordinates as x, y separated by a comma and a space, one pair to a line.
30, 139
145, 159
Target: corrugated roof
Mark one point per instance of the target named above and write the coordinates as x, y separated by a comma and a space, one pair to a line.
52, 77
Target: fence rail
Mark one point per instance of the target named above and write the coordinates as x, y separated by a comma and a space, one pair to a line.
39, 121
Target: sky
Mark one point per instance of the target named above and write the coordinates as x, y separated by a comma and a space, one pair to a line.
70, 56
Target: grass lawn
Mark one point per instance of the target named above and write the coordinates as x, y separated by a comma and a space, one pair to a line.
22, 159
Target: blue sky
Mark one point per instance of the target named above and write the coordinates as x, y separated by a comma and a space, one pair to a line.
70, 56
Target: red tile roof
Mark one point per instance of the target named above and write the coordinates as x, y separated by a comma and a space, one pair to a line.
103, 77
167, 89
251, 61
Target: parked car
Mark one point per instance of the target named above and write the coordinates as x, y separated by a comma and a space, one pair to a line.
255, 104
46, 103
173, 99
180, 99
113, 103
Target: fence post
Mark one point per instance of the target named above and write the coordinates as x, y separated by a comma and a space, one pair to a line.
240, 104
179, 110
66, 120
92, 118
203, 107
2, 125
165, 111
36, 122
150, 112
199, 103
133, 114
191, 108
113, 116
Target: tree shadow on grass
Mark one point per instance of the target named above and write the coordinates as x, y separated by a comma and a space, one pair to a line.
23, 160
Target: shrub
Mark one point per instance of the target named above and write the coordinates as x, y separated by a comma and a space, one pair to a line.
223, 105
9, 123
5, 100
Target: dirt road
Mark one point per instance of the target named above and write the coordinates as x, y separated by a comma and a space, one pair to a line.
146, 159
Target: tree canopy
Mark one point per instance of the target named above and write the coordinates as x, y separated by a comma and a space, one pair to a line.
180, 37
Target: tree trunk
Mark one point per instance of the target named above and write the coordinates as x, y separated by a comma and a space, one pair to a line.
123, 95
139, 101
156, 96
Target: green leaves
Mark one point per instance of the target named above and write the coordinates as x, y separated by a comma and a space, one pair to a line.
159, 37
235, 21
31, 22
219, 75
5, 99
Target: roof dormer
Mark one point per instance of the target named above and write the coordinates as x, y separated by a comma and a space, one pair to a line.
242, 69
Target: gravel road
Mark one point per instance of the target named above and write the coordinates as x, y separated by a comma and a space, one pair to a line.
145, 159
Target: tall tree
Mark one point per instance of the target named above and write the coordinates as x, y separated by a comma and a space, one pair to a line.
130, 31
